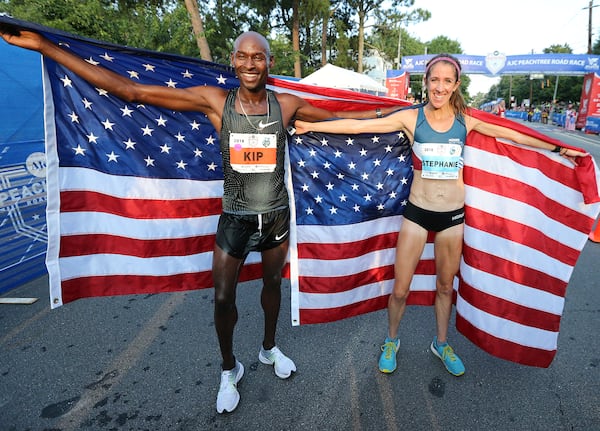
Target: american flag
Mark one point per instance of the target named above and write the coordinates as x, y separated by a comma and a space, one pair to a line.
134, 193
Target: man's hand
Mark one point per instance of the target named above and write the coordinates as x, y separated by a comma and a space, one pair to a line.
21, 38
9, 29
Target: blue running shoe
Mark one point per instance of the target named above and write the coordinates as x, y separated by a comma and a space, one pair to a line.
387, 360
450, 360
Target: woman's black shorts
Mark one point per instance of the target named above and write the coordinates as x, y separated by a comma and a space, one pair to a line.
434, 221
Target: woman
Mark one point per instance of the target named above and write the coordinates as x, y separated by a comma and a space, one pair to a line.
437, 195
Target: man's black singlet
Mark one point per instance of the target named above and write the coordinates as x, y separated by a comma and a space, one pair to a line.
253, 193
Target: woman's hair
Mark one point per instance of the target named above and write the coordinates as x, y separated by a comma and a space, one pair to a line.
457, 100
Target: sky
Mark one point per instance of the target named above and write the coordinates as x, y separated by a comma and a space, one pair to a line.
511, 27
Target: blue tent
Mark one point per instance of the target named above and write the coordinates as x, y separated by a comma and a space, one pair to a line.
23, 235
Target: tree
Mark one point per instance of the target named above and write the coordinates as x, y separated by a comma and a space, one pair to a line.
192, 8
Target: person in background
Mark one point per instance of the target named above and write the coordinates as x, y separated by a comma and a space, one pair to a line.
438, 128
255, 213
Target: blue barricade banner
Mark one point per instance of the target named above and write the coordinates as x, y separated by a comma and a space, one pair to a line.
23, 235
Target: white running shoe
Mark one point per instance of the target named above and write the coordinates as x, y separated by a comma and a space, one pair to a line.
229, 397
282, 364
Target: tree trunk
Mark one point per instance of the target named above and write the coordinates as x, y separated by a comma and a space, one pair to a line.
192, 8
361, 39
296, 39
326, 16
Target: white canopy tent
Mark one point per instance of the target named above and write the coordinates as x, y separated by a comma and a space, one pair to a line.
337, 77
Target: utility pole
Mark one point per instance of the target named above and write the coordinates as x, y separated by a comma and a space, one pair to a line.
589, 8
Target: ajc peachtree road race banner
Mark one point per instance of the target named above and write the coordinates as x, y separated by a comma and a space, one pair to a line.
500, 64
23, 236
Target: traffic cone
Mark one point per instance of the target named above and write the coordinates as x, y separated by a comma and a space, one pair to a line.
595, 234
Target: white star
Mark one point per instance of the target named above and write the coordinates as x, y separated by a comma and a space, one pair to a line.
107, 125
343, 198
355, 187
356, 208
195, 126
404, 202
74, 117
326, 165
352, 165
312, 152
363, 152
126, 111
87, 104
187, 74
329, 186
66, 81
221, 79
324, 142
301, 163
149, 161
180, 137
379, 186
79, 150
402, 158
181, 165
197, 153
318, 199
404, 181
388, 148
164, 148
107, 57
393, 195
161, 121
149, 67
171, 83
92, 138
315, 174
380, 207
341, 176
305, 187
133, 74
298, 140
333, 210
212, 167
92, 61
375, 139
129, 144
377, 162
401, 135
337, 153
147, 131
390, 172
309, 211
367, 197
112, 157
210, 140
349, 141
102, 92
365, 176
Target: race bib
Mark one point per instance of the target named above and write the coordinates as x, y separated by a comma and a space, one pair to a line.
441, 161
253, 152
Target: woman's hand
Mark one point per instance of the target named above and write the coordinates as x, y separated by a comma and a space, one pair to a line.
302, 126
571, 154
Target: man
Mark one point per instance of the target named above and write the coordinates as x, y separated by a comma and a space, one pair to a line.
251, 122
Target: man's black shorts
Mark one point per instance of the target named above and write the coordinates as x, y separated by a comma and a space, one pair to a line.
238, 235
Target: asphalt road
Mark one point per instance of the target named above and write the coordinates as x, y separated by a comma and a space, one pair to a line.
151, 362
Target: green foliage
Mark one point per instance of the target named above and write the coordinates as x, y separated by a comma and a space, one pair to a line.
164, 25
